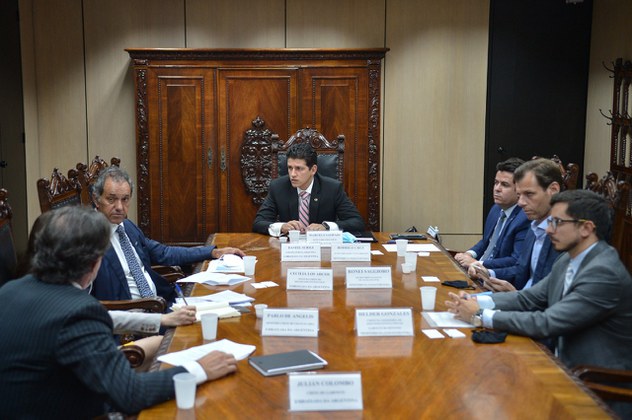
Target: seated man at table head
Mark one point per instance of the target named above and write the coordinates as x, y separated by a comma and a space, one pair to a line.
506, 225
304, 200
126, 271
584, 303
57, 355
537, 181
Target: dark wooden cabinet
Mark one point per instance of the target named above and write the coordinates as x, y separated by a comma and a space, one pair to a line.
194, 106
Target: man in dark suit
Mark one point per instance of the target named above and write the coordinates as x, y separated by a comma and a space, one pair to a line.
584, 304
304, 200
126, 271
57, 355
506, 225
537, 181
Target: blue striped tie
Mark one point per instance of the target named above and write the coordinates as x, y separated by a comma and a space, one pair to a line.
132, 262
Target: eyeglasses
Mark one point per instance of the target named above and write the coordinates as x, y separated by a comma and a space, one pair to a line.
554, 222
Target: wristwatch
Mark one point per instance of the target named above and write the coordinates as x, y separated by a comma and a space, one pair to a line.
326, 225
477, 319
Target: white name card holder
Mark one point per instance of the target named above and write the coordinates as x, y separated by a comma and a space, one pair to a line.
324, 237
310, 279
384, 322
325, 391
300, 252
351, 252
290, 322
369, 278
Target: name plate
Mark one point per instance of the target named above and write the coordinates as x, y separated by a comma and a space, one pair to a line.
384, 322
310, 279
324, 237
325, 391
369, 278
351, 252
300, 252
290, 322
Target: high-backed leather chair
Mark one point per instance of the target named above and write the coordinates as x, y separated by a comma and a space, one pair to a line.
8, 259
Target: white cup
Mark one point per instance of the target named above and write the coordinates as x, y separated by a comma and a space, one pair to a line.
249, 265
401, 247
428, 295
406, 268
185, 390
259, 308
294, 235
411, 258
209, 326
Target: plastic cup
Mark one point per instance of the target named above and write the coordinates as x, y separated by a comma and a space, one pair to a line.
294, 235
411, 258
209, 326
428, 296
249, 265
407, 268
259, 308
185, 390
401, 247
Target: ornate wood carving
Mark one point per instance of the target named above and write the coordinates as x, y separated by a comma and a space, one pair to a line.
142, 148
5, 209
373, 221
59, 191
256, 160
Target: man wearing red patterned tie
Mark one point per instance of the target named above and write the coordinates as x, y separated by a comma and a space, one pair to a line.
304, 200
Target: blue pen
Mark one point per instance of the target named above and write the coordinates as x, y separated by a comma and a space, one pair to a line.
180, 294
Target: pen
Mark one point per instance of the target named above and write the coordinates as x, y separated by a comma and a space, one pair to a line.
180, 294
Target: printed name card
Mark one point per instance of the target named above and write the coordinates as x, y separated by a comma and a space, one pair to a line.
384, 322
369, 278
310, 279
351, 252
300, 252
324, 237
325, 391
290, 322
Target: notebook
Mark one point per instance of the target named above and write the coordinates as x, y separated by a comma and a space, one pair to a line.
280, 363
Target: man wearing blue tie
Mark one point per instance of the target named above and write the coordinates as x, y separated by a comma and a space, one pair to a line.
506, 225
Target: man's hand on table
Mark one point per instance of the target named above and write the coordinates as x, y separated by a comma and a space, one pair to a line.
183, 316
217, 364
218, 252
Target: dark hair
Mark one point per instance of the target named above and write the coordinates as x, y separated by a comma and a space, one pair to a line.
303, 151
509, 165
117, 175
545, 171
68, 243
585, 204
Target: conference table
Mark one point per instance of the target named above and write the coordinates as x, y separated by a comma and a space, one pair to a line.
402, 377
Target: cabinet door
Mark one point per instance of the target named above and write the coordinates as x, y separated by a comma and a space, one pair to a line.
335, 101
244, 94
182, 156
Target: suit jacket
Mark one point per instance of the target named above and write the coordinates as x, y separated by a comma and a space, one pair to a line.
329, 202
111, 284
519, 273
510, 241
130, 322
58, 358
592, 320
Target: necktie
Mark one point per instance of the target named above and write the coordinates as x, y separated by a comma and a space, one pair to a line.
489, 252
568, 279
303, 208
132, 262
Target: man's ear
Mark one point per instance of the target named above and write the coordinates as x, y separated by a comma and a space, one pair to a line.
313, 169
554, 187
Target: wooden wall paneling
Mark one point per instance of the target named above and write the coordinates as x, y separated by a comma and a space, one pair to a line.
245, 94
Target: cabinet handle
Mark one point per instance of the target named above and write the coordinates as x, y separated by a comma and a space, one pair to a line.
209, 158
222, 161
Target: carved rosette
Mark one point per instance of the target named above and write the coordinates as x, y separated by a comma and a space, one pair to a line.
256, 160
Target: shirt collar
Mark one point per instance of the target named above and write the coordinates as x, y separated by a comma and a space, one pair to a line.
577, 261
509, 210
308, 189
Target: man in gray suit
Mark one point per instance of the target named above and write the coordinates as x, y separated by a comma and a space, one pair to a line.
584, 304
57, 355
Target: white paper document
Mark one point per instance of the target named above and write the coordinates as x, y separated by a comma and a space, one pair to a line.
430, 279
240, 351
413, 248
214, 279
222, 309
228, 263
444, 320
431, 333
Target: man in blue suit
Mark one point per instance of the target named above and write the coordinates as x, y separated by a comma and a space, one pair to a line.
126, 269
506, 225
536, 182
57, 356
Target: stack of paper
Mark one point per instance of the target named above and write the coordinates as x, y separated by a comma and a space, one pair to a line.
444, 320
240, 351
222, 309
228, 263
214, 279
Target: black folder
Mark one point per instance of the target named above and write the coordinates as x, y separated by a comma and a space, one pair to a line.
280, 363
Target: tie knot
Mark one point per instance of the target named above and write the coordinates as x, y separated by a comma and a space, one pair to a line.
304, 195
503, 215
120, 229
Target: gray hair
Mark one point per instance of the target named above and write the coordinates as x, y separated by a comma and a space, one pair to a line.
116, 174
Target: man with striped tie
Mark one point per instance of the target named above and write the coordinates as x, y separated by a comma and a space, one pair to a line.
304, 200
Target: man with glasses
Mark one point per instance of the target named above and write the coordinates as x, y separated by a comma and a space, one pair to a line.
584, 304
537, 181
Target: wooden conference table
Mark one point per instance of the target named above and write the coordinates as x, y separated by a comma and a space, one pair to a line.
402, 377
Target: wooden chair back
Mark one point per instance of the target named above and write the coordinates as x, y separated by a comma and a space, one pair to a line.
8, 259
59, 191
88, 174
